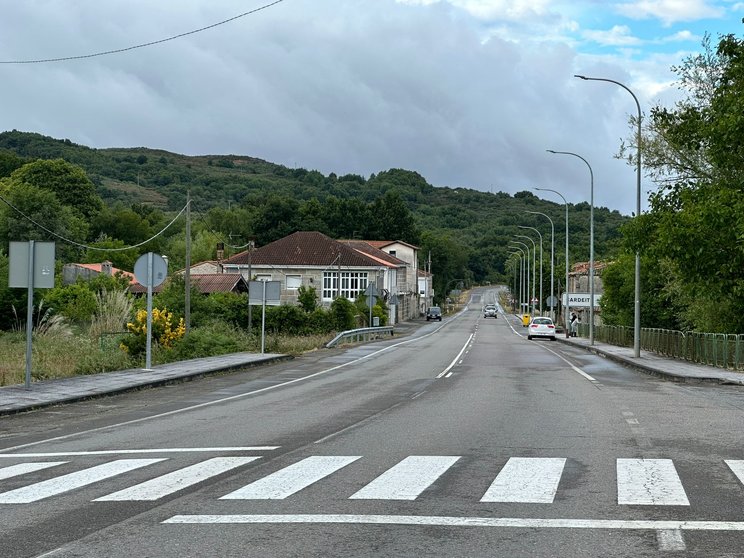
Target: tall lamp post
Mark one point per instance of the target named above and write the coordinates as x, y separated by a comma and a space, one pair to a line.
565, 310
521, 263
534, 266
541, 264
526, 251
552, 258
591, 240
637, 309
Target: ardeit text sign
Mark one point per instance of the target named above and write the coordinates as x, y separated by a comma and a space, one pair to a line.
581, 300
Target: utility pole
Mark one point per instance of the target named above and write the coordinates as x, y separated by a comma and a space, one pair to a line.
187, 272
250, 278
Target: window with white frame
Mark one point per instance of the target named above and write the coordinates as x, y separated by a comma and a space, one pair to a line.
352, 283
294, 282
263, 277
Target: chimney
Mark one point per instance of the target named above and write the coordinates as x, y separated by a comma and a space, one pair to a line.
106, 268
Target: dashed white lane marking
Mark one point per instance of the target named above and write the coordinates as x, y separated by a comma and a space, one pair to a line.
66, 483
177, 480
454, 361
445, 521
287, 481
649, 482
407, 479
530, 480
671, 540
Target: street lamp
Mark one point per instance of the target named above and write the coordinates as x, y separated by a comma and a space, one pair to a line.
541, 264
591, 240
518, 295
527, 276
565, 310
552, 258
637, 312
534, 266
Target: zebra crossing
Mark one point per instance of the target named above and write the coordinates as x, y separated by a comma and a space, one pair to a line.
525, 480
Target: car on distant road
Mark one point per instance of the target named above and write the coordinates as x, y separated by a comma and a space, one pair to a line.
541, 327
490, 311
434, 313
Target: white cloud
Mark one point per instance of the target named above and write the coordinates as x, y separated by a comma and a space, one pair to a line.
670, 11
681, 36
619, 35
490, 10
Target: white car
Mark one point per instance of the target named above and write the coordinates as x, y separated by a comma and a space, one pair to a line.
541, 327
489, 311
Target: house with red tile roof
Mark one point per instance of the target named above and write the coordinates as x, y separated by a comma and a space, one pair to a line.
333, 268
205, 283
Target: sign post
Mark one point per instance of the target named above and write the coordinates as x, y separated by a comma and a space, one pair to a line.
270, 295
31, 264
150, 270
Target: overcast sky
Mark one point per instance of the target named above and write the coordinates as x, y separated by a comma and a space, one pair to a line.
469, 93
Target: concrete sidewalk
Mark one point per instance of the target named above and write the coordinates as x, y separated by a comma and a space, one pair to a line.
16, 399
658, 365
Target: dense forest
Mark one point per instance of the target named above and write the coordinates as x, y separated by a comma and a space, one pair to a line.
239, 198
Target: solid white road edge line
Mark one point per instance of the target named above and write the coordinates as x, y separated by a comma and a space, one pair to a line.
574, 368
445, 521
136, 451
224, 399
443, 372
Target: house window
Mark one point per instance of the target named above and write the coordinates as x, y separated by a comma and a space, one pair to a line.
392, 252
294, 282
352, 283
263, 277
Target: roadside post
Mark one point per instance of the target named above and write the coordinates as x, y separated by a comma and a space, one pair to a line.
31, 264
372, 294
150, 270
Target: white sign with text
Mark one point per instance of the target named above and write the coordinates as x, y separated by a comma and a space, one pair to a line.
581, 300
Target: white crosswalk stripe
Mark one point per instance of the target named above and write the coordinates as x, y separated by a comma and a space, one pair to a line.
23, 468
649, 482
529, 480
737, 466
407, 479
177, 480
71, 481
294, 478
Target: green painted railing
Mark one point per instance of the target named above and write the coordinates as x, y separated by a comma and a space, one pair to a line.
714, 349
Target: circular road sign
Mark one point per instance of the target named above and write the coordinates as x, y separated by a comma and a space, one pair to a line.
159, 270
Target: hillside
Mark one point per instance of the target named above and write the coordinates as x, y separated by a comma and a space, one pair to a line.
480, 223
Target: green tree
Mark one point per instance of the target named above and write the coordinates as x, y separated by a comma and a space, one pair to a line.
68, 182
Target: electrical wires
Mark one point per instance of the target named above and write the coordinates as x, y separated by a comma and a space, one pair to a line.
151, 43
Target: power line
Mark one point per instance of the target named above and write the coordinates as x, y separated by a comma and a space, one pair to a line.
86, 246
151, 43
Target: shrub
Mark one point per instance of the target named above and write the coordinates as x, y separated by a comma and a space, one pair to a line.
163, 332
308, 298
343, 314
213, 339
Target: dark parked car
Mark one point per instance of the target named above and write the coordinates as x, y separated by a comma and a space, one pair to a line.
434, 313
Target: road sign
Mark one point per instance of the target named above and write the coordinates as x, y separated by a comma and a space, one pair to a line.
159, 270
552, 301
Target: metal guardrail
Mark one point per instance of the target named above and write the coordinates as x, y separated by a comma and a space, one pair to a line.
361, 334
714, 349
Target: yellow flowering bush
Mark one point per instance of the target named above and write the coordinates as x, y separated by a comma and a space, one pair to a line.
163, 332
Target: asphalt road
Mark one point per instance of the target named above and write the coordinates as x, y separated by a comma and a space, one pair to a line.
463, 440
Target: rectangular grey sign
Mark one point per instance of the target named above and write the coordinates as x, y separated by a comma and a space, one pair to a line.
18, 256
273, 292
